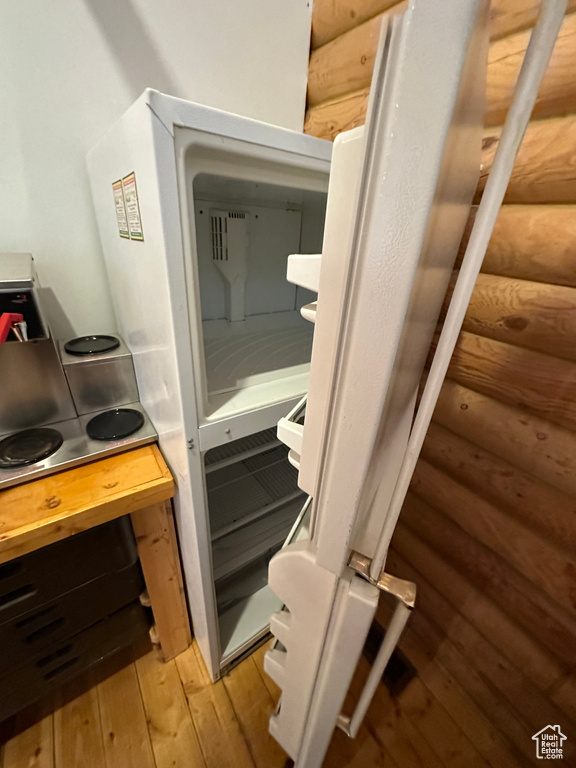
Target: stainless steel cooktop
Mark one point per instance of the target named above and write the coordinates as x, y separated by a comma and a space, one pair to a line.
77, 448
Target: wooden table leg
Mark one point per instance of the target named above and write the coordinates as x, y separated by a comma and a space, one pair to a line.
158, 549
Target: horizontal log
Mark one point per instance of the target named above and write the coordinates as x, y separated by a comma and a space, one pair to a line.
535, 445
448, 675
544, 171
430, 708
332, 117
557, 93
537, 316
458, 700
496, 625
509, 16
518, 701
541, 384
533, 315
401, 739
534, 242
425, 645
531, 242
550, 570
544, 620
346, 64
538, 505
479, 702
390, 725
331, 18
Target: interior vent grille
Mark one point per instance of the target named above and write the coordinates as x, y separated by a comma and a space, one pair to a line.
219, 227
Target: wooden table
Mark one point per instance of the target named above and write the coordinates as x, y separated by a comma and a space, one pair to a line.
136, 483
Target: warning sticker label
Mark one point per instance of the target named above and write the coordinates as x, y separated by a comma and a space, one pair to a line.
121, 217
132, 207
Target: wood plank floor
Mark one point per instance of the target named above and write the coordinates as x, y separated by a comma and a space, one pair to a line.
142, 713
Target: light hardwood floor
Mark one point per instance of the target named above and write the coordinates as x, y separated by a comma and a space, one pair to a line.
143, 713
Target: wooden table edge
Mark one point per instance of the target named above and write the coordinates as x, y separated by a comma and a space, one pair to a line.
150, 509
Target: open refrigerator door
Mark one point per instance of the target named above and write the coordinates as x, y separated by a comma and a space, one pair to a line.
399, 197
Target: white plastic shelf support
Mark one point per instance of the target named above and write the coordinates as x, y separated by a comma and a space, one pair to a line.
304, 270
308, 311
291, 433
294, 459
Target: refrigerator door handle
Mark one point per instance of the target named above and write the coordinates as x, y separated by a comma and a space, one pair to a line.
405, 594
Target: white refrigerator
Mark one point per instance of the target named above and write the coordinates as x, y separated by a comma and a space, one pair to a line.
198, 211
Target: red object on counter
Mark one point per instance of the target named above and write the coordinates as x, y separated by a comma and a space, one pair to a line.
7, 320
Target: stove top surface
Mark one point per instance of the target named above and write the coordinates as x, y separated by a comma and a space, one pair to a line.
29, 446
76, 446
91, 345
114, 424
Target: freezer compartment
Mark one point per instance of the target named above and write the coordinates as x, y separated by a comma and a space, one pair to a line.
264, 348
254, 345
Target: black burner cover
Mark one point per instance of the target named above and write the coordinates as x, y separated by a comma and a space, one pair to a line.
115, 424
91, 345
28, 447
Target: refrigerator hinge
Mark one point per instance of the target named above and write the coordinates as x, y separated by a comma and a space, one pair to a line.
405, 594
404, 591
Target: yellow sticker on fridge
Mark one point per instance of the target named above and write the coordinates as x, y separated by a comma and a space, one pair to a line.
132, 207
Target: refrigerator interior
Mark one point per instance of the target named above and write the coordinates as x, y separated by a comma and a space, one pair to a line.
253, 345
253, 502
251, 342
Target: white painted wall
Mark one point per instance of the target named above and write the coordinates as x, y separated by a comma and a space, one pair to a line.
69, 69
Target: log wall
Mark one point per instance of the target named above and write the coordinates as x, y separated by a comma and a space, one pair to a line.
488, 530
